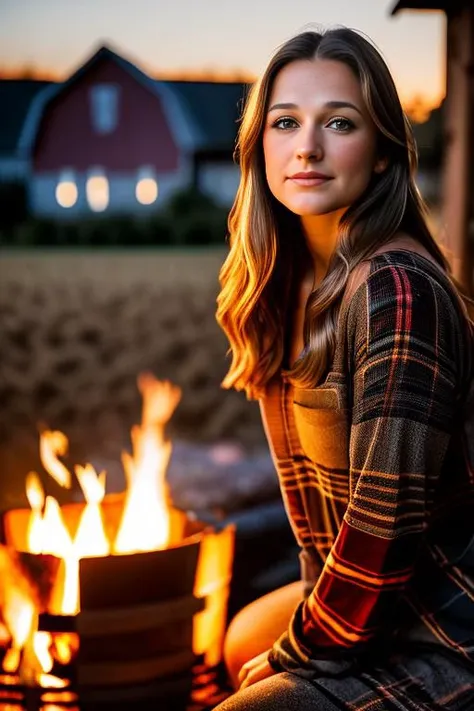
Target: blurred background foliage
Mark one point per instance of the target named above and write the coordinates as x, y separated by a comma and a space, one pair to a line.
189, 218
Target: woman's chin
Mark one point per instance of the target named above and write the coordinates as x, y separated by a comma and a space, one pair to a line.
309, 208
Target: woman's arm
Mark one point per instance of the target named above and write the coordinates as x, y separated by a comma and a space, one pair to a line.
402, 334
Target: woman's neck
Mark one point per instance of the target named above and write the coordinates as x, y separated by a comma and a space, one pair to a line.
320, 232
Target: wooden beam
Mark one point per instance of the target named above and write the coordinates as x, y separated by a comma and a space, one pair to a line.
446, 5
458, 170
413, 5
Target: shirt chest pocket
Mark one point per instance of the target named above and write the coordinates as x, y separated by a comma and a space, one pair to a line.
322, 426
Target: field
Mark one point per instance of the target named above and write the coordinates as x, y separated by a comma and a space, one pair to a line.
112, 269
77, 328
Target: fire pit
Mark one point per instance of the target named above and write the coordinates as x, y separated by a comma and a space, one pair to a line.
114, 598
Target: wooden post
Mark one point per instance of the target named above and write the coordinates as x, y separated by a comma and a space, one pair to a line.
458, 174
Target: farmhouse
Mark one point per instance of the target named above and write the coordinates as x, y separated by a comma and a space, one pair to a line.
111, 139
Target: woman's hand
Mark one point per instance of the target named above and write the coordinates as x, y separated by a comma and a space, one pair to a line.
256, 669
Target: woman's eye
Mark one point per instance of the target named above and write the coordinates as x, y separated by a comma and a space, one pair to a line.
285, 123
340, 124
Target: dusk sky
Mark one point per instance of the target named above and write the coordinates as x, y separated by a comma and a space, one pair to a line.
221, 36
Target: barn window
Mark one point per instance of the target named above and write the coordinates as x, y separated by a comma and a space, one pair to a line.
97, 190
104, 103
66, 189
146, 189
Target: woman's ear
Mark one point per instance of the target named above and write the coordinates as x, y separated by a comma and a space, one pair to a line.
380, 165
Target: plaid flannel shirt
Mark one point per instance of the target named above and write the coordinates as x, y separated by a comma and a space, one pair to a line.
376, 472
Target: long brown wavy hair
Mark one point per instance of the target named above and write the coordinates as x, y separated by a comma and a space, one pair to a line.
258, 275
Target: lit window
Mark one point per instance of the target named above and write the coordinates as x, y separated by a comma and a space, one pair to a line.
146, 190
104, 107
66, 189
97, 191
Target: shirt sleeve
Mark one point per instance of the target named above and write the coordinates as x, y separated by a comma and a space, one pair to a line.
401, 333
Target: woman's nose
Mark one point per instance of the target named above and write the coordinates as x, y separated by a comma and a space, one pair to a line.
310, 147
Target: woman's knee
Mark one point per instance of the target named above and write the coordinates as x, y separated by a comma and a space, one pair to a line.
237, 645
255, 628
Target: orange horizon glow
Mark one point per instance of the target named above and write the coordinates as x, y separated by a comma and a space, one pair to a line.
44, 74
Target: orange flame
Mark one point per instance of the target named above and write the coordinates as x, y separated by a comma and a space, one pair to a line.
35, 496
90, 539
145, 522
145, 519
54, 538
52, 445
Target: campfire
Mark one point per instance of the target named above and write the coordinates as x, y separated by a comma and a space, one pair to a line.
90, 586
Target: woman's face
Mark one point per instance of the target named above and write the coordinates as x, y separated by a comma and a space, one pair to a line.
319, 141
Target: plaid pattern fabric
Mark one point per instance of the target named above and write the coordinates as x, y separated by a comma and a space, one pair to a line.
426, 682
378, 479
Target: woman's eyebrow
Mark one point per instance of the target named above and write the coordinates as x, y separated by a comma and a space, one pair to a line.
327, 105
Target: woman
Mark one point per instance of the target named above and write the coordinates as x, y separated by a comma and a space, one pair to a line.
344, 322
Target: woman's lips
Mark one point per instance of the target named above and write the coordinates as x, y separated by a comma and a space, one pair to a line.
309, 180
